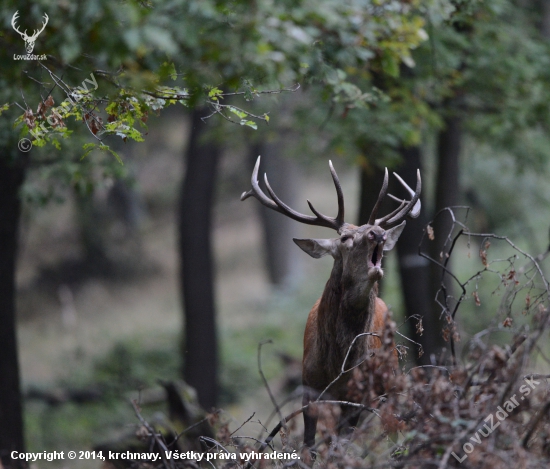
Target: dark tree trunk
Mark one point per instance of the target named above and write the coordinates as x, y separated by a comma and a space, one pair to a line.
415, 270
11, 409
280, 257
370, 182
447, 194
126, 206
92, 236
200, 346
545, 19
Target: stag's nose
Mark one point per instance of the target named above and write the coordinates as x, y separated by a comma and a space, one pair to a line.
377, 236
380, 237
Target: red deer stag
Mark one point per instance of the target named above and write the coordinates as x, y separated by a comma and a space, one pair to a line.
349, 305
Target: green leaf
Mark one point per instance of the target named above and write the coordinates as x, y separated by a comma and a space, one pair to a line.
88, 148
108, 149
238, 112
168, 69
215, 93
249, 124
390, 64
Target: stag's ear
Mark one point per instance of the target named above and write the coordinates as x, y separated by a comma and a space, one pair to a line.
393, 235
316, 247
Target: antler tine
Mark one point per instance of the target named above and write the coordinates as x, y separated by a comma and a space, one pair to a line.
339, 194
47, 18
381, 195
257, 192
38, 31
415, 211
279, 206
13, 22
410, 209
383, 221
318, 220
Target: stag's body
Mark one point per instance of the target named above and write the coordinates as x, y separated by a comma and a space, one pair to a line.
348, 308
328, 336
349, 305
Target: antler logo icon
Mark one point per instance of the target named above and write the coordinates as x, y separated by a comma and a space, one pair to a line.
29, 40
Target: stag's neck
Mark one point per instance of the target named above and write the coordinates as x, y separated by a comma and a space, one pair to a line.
346, 309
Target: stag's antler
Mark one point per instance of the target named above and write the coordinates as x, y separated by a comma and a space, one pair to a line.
409, 209
279, 206
13, 20
24, 35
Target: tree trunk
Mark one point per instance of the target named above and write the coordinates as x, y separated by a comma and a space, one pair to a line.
545, 20
280, 257
414, 270
200, 346
371, 178
11, 410
92, 236
447, 194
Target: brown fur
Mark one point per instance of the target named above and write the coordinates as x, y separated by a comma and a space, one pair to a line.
330, 330
326, 343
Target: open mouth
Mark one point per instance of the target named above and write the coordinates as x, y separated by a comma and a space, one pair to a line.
376, 258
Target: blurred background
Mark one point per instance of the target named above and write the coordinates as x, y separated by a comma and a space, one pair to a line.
155, 270
99, 298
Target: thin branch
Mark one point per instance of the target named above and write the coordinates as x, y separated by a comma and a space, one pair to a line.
167, 463
195, 425
266, 384
295, 88
343, 370
243, 424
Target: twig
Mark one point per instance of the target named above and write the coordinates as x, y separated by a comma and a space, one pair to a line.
343, 370
243, 424
214, 442
266, 384
257, 440
167, 463
428, 366
295, 88
200, 422
534, 424
295, 394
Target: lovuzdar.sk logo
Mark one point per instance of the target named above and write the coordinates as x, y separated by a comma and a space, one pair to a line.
29, 40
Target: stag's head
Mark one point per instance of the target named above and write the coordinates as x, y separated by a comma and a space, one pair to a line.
29, 40
359, 248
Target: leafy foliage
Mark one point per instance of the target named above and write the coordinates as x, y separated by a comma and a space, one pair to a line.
271, 44
486, 62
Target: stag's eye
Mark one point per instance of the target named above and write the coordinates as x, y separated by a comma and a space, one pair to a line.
371, 235
343, 239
